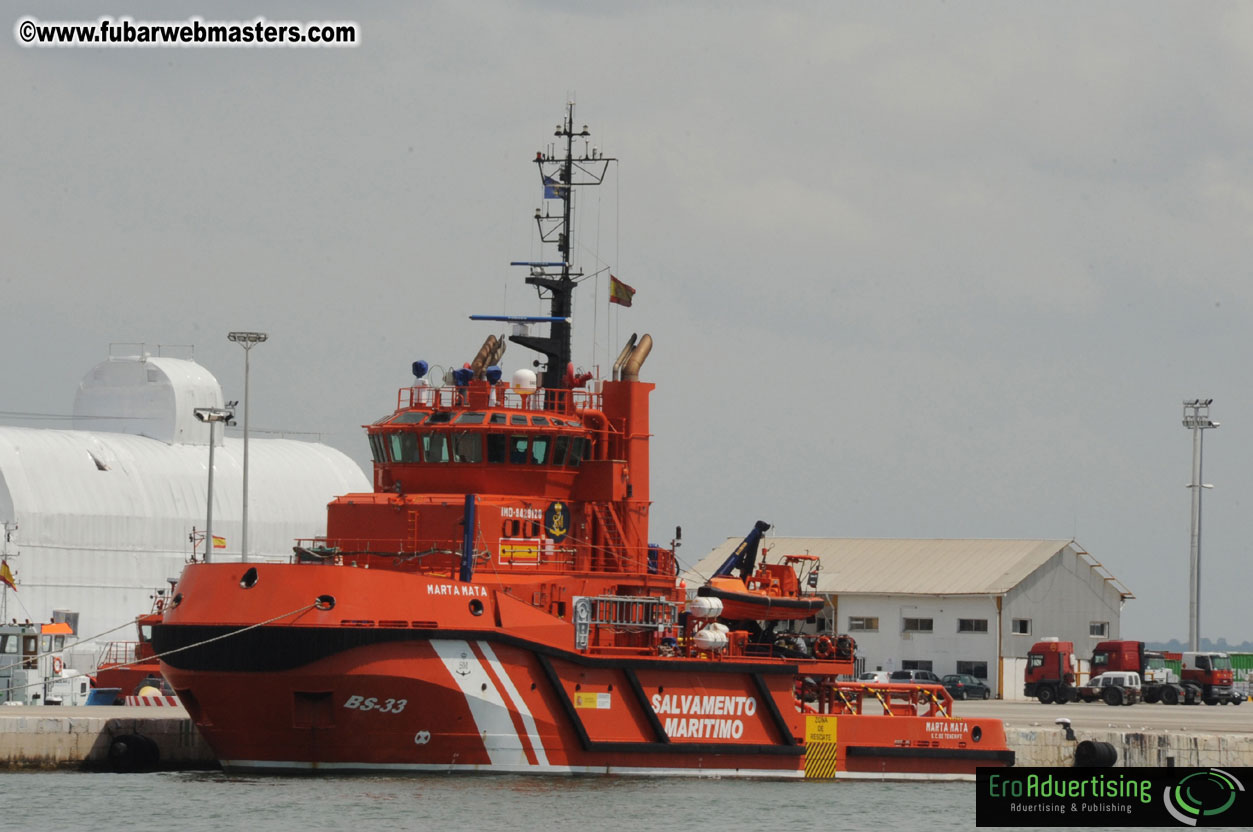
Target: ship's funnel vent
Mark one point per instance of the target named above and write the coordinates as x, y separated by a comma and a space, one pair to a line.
631, 369
623, 356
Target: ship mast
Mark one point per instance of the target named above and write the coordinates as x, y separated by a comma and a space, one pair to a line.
556, 281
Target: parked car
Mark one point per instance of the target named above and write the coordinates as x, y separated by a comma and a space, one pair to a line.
1114, 687
965, 686
877, 676
913, 677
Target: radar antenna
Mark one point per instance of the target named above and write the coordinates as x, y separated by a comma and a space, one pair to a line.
559, 177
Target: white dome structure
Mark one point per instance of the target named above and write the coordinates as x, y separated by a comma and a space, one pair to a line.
98, 518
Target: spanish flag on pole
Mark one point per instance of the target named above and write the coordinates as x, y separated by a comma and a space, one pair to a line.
619, 292
6, 576
219, 542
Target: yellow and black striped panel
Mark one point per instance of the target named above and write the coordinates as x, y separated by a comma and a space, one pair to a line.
821, 747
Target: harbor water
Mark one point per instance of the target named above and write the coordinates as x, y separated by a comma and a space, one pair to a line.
212, 802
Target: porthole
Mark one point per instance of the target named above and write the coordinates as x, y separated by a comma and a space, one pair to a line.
476, 607
976, 733
250, 578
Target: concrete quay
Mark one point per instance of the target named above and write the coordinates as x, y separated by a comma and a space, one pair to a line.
49, 737
1143, 735
1157, 748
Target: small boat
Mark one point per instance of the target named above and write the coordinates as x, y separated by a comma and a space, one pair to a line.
32, 668
128, 672
771, 592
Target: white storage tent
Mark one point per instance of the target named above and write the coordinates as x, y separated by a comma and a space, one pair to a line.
99, 517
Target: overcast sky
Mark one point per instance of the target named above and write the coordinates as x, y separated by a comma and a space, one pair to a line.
913, 269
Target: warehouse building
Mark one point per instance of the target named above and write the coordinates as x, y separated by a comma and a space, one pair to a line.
953, 606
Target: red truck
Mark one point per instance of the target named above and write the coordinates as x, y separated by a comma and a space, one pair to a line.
1050, 675
1159, 683
1207, 677
1211, 675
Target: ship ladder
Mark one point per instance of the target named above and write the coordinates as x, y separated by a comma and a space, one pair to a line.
615, 542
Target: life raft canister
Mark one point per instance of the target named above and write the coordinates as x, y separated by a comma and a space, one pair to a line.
845, 646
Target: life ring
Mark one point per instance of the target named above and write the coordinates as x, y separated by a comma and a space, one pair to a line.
823, 648
57, 665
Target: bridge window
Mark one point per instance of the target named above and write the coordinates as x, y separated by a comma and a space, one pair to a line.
517, 419
467, 446
498, 418
539, 420
561, 443
517, 450
435, 447
404, 446
410, 417
539, 450
496, 445
378, 447
578, 451
471, 418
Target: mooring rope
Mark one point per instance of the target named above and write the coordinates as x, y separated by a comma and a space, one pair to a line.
231, 634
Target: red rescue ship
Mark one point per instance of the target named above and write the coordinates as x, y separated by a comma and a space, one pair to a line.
494, 604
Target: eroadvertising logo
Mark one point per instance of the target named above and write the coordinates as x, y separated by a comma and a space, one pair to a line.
1113, 797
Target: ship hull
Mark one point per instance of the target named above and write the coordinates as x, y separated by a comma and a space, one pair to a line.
499, 689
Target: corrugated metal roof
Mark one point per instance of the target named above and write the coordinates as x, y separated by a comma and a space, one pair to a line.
890, 566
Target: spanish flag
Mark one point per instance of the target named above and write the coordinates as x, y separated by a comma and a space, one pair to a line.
619, 292
219, 542
6, 577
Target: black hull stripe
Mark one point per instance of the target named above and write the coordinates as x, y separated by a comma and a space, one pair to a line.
1002, 756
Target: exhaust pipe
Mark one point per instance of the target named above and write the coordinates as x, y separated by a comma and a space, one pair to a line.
623, 356
631, 369
481, 358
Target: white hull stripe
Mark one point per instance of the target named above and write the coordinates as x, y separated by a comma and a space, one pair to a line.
519, 704
487, 707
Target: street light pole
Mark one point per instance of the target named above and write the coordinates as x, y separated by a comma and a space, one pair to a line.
247, 340
1196, 418
212, 415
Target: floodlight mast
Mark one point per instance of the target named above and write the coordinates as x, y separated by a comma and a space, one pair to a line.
247, 340
1196, 418
212, 415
